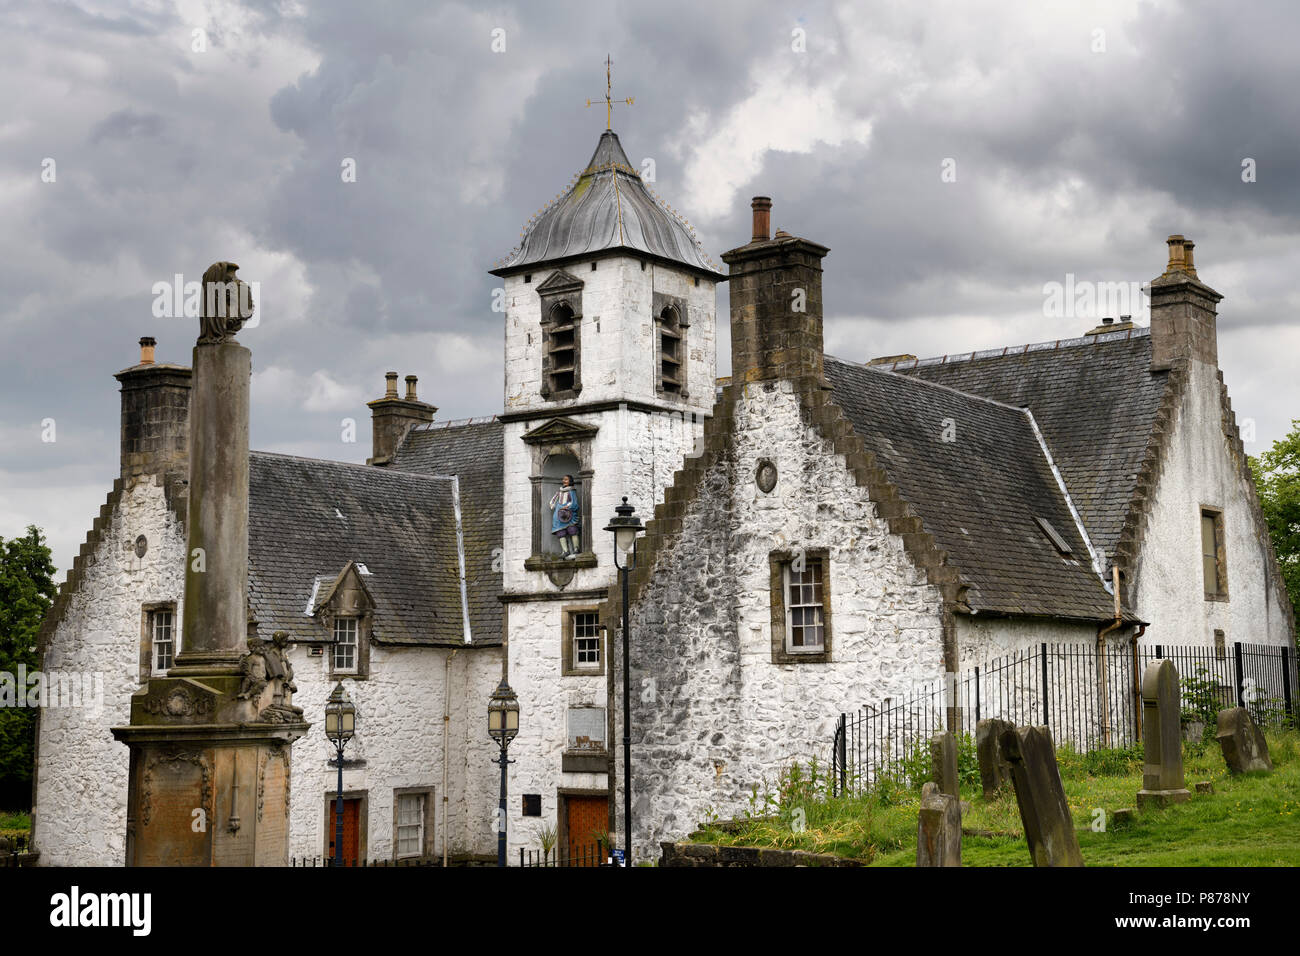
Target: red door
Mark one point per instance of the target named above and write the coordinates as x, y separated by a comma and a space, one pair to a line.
351, 829
586, 817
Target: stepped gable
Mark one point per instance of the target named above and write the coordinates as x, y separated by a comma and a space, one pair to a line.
978, 495
607, 207
1095, 399
308, 518
474, 450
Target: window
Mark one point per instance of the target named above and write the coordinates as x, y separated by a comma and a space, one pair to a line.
586, 744
164, 643
801, 606
410, 824
670, 344
805, 626
582, 654
562, 350
1214, 559
345, 644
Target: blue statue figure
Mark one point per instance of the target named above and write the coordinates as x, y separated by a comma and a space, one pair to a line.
566, 520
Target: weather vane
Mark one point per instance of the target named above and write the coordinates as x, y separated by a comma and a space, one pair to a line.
609, 99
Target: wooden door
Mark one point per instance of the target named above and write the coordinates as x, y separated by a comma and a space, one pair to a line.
351, 829
586, 817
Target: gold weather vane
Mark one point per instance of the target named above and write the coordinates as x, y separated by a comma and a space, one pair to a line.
609, 99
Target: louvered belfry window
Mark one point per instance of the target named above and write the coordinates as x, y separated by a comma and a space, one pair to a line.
562, 350
672, 348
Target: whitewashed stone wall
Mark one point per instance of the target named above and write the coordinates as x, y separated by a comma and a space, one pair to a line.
80, 814
1200, 470
713, 717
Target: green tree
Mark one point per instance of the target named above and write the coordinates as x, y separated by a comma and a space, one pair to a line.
26, 592
1277, 478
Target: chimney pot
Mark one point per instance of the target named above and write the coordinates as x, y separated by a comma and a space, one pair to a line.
1180, 256
410, 388
1108, 320
762, 206
147, 344
391, 390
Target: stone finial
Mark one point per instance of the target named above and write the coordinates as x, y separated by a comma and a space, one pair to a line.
391, 390
147, 344
410, 388
227, 304
762, 206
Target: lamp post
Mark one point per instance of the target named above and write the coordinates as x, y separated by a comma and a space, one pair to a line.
340, 725
503, 725
625, 528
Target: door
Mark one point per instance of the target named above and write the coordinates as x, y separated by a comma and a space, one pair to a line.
586, 817
351, 829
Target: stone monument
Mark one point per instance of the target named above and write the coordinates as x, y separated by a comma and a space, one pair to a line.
209, 743
1044, 811
943, 763
938, 828
995, 769
1243, 744
1162, 738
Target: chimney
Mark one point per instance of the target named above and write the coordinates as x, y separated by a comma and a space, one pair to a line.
392, 417
1184, 312
776, 304
155, 417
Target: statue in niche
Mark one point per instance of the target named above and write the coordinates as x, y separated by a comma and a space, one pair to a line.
566, 519
227, 304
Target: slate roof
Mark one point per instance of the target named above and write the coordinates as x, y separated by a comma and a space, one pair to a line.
607, 207
978, 495
474, 450
308, 518
1095, 399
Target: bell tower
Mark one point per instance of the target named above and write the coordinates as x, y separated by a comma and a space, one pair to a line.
610, 314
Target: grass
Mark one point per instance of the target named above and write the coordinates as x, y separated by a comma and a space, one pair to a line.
1249, 820
15, 824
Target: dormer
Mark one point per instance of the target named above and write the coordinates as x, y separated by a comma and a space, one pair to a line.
345, 609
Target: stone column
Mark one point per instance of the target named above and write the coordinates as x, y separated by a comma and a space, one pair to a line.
215, 624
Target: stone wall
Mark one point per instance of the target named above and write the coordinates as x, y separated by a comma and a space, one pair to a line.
713, 716
80, 814
1203, 467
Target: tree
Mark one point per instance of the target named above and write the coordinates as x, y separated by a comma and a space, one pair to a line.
26, 592
1277, 478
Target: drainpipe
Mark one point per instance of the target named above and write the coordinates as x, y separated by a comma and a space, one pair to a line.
1101, 665
446, 735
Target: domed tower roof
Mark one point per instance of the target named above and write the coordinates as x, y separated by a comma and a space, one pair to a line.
607, 207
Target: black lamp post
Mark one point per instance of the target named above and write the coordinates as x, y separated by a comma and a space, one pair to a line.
503, 725
625, 528
340, 725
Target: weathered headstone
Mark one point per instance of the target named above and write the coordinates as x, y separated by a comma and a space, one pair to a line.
1044, 812
1204, 786
995, 769
1122, 818
943, 763
1163, 782
938, 828
1243, 744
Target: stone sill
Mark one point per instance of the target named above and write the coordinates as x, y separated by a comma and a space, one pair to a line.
548, 563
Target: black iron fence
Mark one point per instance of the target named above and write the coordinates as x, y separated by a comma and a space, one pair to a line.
595, 854
316, 861
1090, 700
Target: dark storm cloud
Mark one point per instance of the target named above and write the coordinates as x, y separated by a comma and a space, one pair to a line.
169, 159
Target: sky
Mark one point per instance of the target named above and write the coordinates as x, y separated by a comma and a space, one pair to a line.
956, 157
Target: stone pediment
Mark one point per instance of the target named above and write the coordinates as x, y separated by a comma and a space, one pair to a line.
348, 593
559, 431
559, 281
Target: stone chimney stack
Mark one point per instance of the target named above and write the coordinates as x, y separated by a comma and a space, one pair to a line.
1184, 312
391, 417
155, 416
776, 304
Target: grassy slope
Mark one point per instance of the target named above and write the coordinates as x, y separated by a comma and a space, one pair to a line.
1248, 821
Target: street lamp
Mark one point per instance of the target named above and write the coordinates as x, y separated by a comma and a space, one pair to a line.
625, 528
503, 725
340, 725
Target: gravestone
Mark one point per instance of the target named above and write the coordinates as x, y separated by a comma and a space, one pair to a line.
1163, 782
1044, 812
1243, 744
938, 828
995, 769
943, 763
